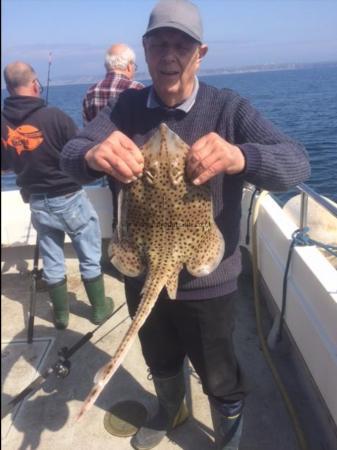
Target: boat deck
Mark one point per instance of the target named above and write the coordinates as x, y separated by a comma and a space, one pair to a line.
46, 419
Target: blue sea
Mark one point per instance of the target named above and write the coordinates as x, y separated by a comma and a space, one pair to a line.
302, 103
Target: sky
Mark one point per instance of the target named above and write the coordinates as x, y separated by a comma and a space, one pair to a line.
238, 33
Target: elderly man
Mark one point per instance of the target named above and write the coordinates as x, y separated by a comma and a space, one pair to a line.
120, 65
230, 143
32, 139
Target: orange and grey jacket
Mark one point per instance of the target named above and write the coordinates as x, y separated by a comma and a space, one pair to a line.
32, 137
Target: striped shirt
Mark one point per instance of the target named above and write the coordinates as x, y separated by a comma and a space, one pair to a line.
98, 95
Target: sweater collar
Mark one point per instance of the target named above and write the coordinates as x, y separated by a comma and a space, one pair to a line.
154, 102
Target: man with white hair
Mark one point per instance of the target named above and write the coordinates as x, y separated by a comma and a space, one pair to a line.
120, 64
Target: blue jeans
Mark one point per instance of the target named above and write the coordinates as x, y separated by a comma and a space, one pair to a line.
72, 214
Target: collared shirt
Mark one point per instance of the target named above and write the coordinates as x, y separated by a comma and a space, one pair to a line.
153, 101
99, 94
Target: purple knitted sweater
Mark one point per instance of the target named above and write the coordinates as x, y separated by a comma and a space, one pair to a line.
273, 162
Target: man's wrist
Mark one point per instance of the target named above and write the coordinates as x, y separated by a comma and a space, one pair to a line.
89, 156
239, 163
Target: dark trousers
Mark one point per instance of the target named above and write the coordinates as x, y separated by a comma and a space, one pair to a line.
199, 329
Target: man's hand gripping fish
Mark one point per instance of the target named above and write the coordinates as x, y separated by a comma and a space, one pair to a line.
165, 222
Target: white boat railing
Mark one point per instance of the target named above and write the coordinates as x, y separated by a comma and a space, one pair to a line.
307, 192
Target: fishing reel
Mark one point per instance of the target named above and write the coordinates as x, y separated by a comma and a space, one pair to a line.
63, 365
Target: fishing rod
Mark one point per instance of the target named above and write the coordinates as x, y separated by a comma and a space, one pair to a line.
36, 273
61, 368
48, 76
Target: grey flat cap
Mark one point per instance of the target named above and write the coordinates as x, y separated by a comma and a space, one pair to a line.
179, 14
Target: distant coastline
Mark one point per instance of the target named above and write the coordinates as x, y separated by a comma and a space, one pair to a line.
90, 79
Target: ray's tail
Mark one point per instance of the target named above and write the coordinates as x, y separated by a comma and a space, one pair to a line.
153, 285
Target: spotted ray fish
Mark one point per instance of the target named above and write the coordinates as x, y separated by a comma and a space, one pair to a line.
165, 223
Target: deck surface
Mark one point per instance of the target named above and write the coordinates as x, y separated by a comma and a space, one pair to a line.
45, 419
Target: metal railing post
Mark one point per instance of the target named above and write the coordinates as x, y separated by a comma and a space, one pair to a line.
304, 210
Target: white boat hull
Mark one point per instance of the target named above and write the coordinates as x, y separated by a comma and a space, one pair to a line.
311, 311
16, 226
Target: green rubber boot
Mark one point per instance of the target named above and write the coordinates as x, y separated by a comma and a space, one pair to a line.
59, 297
171, 412
102, 306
